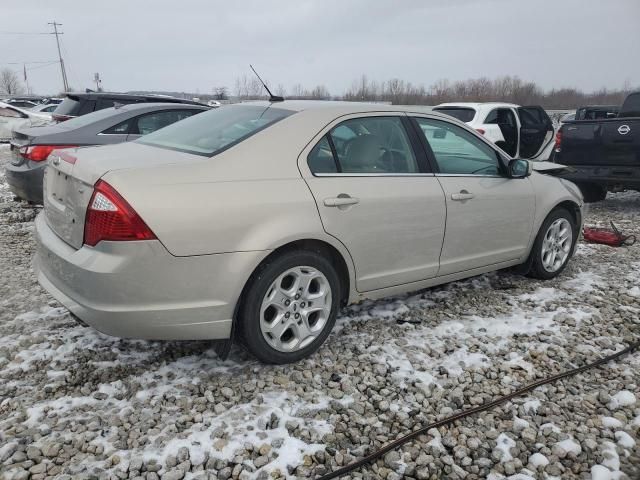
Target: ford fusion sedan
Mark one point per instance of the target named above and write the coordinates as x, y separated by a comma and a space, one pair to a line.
31, 146
258, 221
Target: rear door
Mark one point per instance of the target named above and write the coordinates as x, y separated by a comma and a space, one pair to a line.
536, 130
375, 194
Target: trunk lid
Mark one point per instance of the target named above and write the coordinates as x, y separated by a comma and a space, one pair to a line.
71, 174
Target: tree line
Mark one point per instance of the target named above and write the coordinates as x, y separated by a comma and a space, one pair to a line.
510, 89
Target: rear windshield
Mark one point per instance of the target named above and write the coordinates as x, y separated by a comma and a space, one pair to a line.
69, 106
211, 132
464, 114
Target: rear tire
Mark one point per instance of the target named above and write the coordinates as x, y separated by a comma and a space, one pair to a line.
592, 192
289, 307
554, 245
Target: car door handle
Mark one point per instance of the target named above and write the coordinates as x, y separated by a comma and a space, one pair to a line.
341, 200
463, 195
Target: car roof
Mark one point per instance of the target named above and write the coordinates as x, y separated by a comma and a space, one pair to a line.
130, 96
128, 107
337, 106
477, 105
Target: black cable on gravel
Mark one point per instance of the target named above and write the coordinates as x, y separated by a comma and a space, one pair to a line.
472, 411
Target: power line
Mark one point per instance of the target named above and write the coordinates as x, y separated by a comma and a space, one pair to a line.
26, 33
28, 63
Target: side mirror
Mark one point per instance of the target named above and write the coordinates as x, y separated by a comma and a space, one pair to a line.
519, 168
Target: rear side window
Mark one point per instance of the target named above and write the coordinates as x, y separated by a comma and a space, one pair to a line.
120, 129
365, 145
464, 114
216, 130
151, 122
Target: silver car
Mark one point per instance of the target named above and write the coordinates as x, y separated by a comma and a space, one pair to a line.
258, 221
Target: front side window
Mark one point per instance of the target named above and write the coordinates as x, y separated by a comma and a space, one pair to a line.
365, 145
215, 130
457, 151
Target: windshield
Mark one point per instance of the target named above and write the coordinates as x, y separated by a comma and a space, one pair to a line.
92, 117
215, 130
463, 114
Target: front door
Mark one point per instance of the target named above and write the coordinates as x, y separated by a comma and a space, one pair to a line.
489, 216
536, 130
375, 195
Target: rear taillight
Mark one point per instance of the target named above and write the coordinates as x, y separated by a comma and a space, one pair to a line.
480, 131
60, 118
39, 153
558, 146
110, 217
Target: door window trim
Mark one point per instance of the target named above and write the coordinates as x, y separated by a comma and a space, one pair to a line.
425, 168
432, 158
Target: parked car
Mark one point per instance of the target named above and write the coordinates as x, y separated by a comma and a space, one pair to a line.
567, 118
78, 104
45, 108
32, 146
20, 103
262, 219
524, 132
596, 112
604, 153
12, 117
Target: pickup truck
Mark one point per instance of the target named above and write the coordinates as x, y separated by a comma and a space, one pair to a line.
604, 154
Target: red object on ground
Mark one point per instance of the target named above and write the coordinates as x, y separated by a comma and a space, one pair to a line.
613, 237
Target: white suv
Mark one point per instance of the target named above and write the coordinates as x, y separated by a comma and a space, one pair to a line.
522, 132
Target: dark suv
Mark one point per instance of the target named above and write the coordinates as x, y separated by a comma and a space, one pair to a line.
77, 104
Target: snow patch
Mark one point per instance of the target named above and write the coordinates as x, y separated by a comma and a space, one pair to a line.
504, 443
623, 398
611, 422
624, 439
538, 460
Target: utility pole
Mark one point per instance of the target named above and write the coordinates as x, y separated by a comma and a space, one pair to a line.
96, 78
64, 73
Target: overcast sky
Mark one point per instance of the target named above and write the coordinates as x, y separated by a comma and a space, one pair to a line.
194, 45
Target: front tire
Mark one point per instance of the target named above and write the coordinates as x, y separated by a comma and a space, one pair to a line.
554, 245
289, 307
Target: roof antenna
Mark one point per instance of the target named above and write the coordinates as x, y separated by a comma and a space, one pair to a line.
272, 97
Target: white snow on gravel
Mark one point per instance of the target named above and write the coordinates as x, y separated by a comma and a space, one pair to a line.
504, 443
538, 460
623, 398
611, 422
625, 440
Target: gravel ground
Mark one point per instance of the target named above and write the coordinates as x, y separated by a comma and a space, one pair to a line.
78, 404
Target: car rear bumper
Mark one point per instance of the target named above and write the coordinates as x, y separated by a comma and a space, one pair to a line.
139, 290
25, 180
610, 177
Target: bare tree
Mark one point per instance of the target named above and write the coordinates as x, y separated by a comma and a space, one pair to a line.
220, 93
10, 83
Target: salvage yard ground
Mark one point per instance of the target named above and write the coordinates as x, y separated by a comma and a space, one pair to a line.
78, 404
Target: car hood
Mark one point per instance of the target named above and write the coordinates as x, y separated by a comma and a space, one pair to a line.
550, 167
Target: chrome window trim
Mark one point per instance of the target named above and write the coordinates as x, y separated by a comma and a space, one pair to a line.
470, 175
342, 174
101, 133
